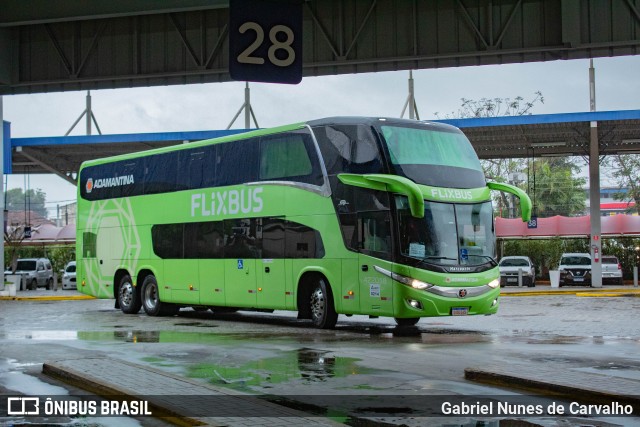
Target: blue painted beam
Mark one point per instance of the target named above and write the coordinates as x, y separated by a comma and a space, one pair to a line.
543, 119
124, 138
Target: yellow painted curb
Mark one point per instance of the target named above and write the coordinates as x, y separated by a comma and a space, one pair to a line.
591, 293
609, 294
47, 298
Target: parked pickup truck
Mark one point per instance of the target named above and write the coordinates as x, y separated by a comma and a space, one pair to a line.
575, 269
611, 270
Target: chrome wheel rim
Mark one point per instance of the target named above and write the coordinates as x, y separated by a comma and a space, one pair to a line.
317, 304
151, 296
126, 294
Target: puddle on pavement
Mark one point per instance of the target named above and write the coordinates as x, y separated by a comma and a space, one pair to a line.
40, 335
614, 369
303, 365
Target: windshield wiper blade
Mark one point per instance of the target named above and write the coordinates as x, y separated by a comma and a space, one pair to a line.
439, 257
484, 256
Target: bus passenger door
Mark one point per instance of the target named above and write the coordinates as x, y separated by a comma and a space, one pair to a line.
271, 277
376, 289
242, 248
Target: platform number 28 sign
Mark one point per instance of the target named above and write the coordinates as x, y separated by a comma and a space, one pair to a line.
265, 40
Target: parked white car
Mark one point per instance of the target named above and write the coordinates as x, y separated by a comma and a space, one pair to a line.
69, 276
509, 269
611, 270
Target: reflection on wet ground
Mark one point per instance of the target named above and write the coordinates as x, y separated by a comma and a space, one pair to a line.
304, 365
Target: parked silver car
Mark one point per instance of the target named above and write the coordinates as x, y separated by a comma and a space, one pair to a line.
509, 269
611, 270
69, 276
37, 272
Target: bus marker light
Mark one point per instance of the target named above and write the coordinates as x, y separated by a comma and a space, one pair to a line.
259, 289
84, 283
350, 292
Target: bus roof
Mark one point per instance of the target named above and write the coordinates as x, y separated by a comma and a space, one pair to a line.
344, 120
235, 137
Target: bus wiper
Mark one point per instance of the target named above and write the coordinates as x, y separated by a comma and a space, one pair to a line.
485, 256
440, 257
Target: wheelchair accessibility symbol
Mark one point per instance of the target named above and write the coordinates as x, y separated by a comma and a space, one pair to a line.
240, 264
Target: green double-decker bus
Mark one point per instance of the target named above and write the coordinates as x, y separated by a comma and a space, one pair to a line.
347, 215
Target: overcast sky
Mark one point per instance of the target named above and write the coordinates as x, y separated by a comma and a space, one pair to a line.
564, 85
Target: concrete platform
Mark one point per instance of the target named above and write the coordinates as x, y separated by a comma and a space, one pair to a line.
563, 383
175, 399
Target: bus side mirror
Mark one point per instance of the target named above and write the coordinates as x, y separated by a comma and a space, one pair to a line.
525, 201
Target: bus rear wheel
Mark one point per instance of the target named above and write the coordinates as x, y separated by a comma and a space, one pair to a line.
128, 297
151, 299
411, 321
323, 313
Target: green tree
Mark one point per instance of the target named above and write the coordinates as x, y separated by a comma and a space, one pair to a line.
626, 173
495, 107
33, 200
557, 189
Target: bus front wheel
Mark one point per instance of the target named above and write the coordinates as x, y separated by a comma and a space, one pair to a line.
128, 297
411, 321
323, 313
151, 299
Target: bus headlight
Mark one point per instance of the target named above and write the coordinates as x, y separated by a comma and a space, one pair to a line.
414, 283
409, 281
495, 283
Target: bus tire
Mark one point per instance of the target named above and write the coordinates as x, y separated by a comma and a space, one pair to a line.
407, 321
151, 299
128, 296
323, 313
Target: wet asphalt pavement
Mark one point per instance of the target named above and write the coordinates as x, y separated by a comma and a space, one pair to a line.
277, 354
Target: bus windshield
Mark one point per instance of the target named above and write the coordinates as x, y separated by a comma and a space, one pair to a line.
449, 234
436, 156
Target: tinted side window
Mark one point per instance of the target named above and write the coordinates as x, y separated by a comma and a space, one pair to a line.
237, 162
204, 240
197, 168
348, 148
289, 156
302, 242
161, 173
242, 238
375, 233
168, 240
273, 242
89, 245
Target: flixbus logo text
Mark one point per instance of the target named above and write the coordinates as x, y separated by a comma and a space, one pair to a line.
227, 202
451, 193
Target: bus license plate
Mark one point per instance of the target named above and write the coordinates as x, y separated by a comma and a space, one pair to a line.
459, 311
